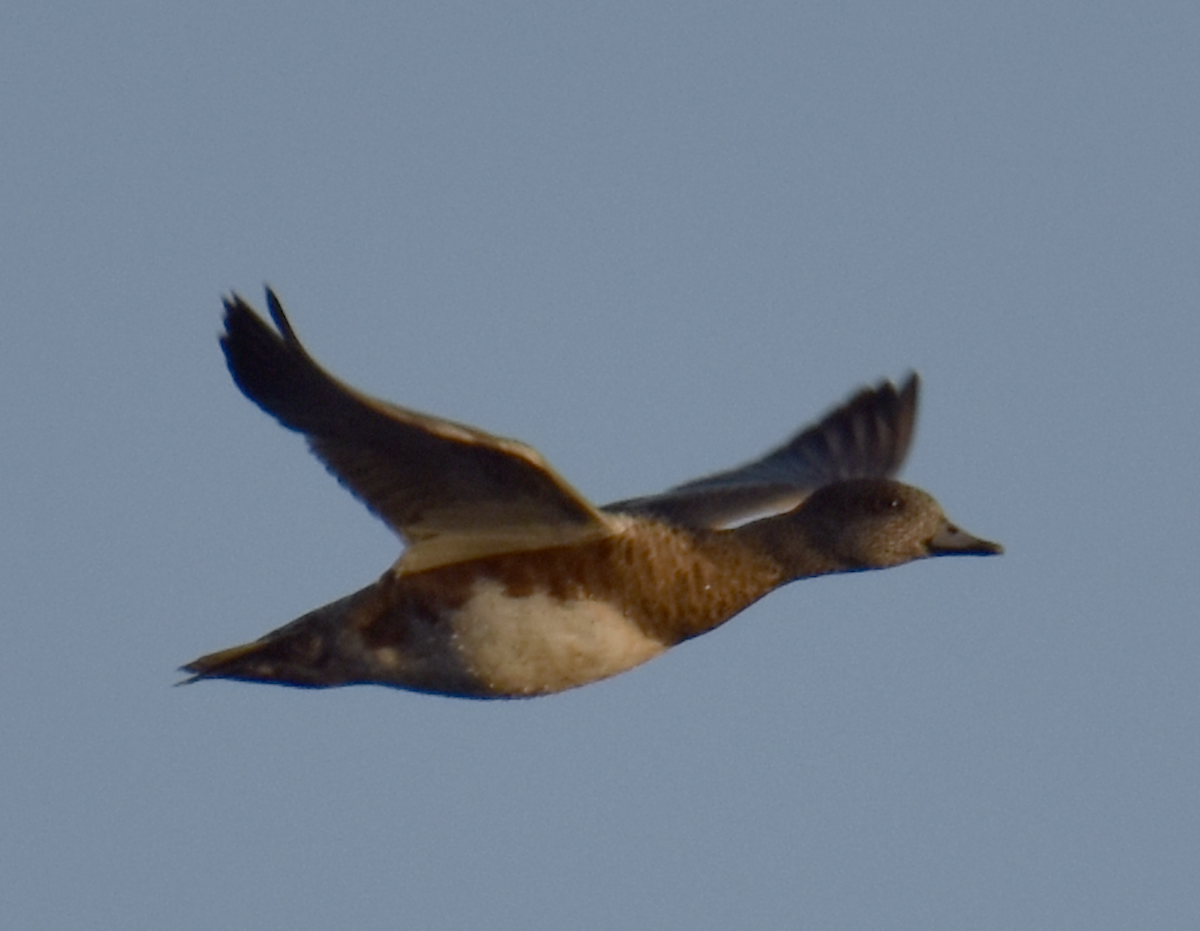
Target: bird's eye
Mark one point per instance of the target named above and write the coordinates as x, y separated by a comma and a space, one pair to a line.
884, 504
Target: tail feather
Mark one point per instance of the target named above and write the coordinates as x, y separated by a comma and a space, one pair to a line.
304, 653
241, 662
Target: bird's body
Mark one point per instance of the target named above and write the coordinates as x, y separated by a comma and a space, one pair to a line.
515, 585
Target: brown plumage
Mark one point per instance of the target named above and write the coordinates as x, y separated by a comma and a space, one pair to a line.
513, 584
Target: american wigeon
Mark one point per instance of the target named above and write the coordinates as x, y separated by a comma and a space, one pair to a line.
513, 584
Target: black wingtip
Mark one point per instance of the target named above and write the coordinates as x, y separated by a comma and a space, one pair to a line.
238, 312
260, 358
239, 317
275, 308
903, 417
271, 367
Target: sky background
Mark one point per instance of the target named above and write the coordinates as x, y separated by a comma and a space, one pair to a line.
652, 240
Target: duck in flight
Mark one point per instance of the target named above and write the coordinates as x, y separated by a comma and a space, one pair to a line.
513, 584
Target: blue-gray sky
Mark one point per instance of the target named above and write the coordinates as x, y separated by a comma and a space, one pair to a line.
651, 240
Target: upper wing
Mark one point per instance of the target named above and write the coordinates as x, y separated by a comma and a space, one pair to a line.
867, 437
452, 491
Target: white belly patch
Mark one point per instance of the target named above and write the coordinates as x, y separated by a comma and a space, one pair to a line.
538, 644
